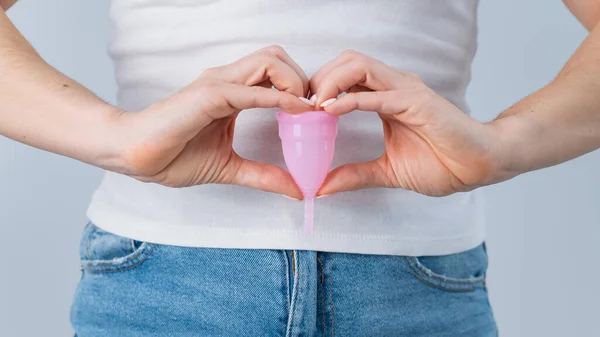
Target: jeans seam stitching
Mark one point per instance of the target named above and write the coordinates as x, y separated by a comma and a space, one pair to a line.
294, 297
452, 287
331, 295
128, 259
431, 284
287, 282
141, 256
423, 269
322, 286
87, 238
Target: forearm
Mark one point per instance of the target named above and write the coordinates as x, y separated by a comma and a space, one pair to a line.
557, 123
41, 107
586, 11
6, 4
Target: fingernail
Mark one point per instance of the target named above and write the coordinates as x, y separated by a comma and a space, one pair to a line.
313, 99
306, 100
286, 196
328, 102
323, 196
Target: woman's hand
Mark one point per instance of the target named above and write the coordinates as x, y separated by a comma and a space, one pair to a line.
186, 139
431, 147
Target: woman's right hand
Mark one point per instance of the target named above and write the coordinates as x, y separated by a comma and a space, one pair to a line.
186, 139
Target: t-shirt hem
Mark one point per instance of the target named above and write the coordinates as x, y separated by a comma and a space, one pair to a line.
272, 238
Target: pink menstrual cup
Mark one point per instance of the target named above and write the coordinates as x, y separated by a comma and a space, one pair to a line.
308, 142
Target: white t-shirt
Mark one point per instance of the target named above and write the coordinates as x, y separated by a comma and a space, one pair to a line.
159, 46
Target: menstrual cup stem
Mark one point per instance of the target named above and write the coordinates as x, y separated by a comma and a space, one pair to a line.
309, 213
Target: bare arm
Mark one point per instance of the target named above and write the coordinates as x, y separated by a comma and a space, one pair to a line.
182, 140
562, 120
41, 107
6, 4
433, 148
586, 11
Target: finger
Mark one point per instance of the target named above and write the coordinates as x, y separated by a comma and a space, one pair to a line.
209, 102
326, 69
254, 69
257, 97
213, 101
282, 76
265, 177
358, 72
356, 176
383, 102
239, 97
281, 54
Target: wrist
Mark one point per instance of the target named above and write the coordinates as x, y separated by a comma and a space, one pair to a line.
506, 150
142, 145
115, 137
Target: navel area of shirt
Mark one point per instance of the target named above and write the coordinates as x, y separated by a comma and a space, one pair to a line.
160, 46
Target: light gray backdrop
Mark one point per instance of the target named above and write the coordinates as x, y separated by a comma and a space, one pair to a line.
543, 227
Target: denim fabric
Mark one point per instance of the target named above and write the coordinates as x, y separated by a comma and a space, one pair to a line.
131, 288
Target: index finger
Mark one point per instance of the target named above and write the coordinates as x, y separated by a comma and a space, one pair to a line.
340, 60
271, 65
239, 97
359, 72
281, 54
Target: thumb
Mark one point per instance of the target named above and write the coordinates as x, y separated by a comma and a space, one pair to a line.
356, 176
261, 176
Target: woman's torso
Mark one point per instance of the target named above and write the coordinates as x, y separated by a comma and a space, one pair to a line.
160, 46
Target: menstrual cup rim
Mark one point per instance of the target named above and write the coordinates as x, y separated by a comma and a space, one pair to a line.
308, 117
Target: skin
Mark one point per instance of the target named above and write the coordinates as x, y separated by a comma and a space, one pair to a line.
586, 11
6, 4
431, 146
435, 149
183, 140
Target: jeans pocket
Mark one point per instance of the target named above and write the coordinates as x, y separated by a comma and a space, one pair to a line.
104, 252
460, 272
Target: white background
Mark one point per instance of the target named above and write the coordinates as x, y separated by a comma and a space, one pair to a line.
543, 227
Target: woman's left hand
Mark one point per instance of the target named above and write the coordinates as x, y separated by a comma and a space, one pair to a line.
431, 147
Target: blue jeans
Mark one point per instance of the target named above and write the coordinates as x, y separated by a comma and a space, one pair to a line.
132, 288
